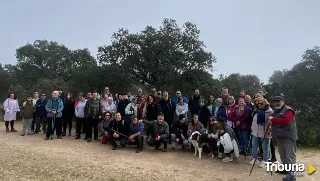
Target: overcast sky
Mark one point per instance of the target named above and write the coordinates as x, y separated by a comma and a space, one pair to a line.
247, 36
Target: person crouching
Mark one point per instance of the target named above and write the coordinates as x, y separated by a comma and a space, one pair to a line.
136, 133
160, 132
104, 126
179, 133
228, 143
116, 131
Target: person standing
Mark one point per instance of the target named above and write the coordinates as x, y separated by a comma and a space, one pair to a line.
54, 109
79, 111
11, 107
92, 112
41, 114
68, 112
34, 100
194, 102
27, 112
284, 130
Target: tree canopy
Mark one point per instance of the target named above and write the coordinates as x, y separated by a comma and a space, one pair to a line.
169, 57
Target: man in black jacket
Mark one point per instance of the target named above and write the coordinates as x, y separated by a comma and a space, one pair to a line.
179, 133
167, 108
116, 131
92, 111
123, 104
194, 102
204, 113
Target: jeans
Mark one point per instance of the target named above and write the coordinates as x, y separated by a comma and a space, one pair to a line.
244, 139
26, 125
265, 147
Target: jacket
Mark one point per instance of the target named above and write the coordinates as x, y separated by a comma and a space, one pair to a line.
104, 126
244, 119
175, 100
177, 128
204, 115
122, 107
41, 107
152, 111
167, 109
54, 103
92, 109
79, 110
181, 109
194, 104
116, 126
287, 131
258, 130
135, 128
220, 114
27, 109
159, 129
68, 110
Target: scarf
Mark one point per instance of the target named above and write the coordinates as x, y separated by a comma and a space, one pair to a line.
261, 115
240, 111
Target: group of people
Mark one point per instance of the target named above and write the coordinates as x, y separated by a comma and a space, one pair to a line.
158, 120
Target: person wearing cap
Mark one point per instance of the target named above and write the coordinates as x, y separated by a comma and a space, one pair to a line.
175, 99
284, 130
136, 133
160, 133
41, 114
179, 131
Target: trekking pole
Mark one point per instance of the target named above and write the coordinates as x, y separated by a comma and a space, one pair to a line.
120, 133
53, 124
247, 148
264, 137
269, 150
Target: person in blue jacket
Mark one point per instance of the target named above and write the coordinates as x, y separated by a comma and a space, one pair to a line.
54, 109
41, 114
175, 99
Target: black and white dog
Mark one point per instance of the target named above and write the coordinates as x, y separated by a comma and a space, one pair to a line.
198, 140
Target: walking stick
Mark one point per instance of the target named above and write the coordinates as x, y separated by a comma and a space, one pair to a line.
53, 124
264, 137
245, 157
269, 150
120, 133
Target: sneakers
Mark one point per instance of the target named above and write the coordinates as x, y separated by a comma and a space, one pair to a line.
227, 159
252, 162
7, 130
262, 164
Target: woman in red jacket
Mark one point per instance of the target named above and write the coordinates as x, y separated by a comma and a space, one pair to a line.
241, 118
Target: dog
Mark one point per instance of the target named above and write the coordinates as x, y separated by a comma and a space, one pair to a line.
198, 140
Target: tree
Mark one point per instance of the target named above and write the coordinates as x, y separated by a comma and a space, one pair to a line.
236, 82
158, 56
4, 81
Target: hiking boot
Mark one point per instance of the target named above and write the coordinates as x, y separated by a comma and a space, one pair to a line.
7, 130
89, 140
254, 161
220, 155
78, 137
173, 148
156, 148
114, 147
164, 149
36, 132
96, 139
273, 160
46, 138
288, 179
30, 133
13, 130
227, 159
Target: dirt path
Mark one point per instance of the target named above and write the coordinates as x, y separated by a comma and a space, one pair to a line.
32, 158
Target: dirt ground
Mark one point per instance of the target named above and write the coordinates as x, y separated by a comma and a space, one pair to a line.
32, 158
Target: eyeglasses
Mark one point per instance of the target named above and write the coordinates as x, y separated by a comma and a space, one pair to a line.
108, 115
178, 93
